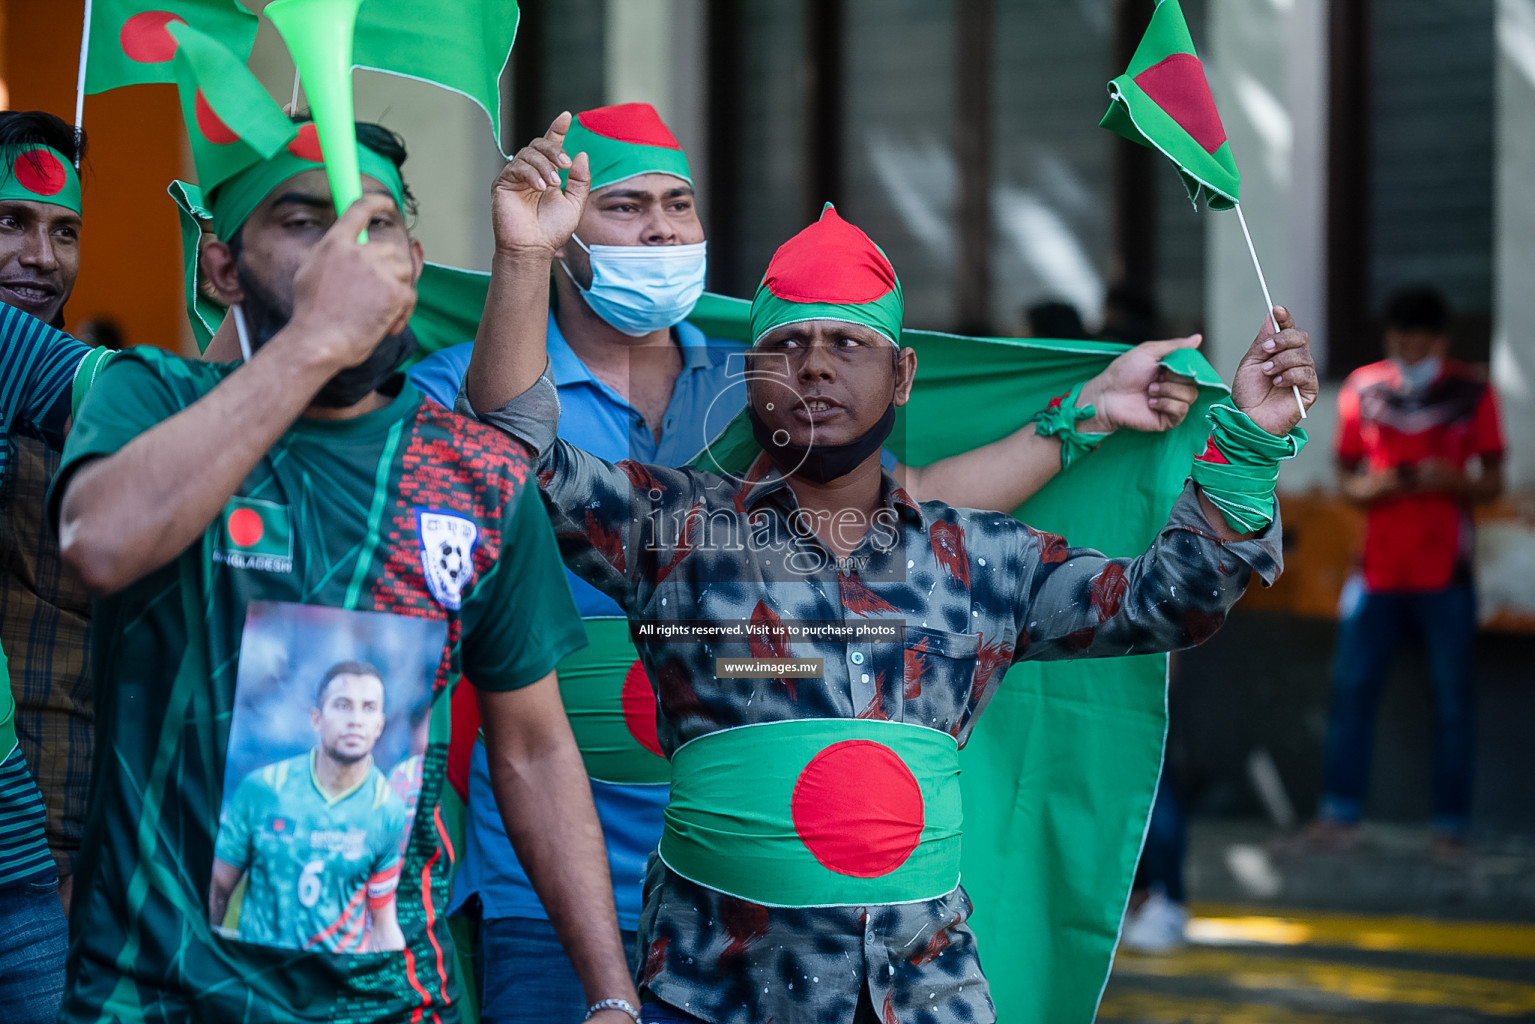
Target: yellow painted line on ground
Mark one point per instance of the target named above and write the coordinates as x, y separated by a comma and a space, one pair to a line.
1218, 925
1367, 985
1153, 1008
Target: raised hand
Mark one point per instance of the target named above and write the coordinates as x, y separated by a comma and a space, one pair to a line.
531, 213
1273, 364
348, 295
1136, 392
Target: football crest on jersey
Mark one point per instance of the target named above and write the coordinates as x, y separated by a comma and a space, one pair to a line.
447, 554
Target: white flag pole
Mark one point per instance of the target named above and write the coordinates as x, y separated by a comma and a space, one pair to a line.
1266, 296
293, 104
85, 53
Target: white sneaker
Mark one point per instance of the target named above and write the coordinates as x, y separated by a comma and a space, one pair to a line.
1157, 927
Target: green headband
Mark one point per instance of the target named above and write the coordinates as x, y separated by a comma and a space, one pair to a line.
40, 174
233, 203
235, 200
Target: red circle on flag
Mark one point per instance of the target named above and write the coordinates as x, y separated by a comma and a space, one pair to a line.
245, 527
38, 170
639, 704
858, 809
145, 39
210, 124
307, 145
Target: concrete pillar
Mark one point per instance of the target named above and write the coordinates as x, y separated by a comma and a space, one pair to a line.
655, 53
1267, 65
1513, 339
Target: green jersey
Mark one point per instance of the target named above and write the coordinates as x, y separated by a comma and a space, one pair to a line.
405, 514
314, 863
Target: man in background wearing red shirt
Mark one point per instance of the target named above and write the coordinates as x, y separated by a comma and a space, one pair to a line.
1418, 446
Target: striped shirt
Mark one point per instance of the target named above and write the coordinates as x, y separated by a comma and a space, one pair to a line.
24, 855
37, 367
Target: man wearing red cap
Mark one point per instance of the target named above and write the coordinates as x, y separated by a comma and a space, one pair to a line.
820, 643
637, 381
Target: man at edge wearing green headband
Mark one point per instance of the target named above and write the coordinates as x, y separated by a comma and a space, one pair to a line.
40, 205
327, 491
820, 644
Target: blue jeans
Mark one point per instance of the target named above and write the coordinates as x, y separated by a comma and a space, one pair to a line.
662, 1013
36, 938
1368, 639
1166, 839
525, 976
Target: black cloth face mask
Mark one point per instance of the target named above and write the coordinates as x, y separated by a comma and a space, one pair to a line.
355, 383
265, 315
822, 463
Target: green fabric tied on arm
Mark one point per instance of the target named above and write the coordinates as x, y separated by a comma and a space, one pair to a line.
817, 813
1059, 420
1239, 469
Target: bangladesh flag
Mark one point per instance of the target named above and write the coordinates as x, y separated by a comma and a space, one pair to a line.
1163, 101
253, 528
460, 45
129, 42
231, 120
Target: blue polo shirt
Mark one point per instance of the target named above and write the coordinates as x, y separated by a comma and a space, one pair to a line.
709, 393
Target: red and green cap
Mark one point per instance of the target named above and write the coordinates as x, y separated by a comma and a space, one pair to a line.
625, 141
829, 271
39, 174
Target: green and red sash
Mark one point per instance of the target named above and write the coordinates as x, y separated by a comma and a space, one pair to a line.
611, 707
817, 813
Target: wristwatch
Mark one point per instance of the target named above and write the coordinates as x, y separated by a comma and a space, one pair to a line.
614, 1004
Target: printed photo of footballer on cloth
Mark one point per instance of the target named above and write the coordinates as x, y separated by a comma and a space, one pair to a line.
320, 785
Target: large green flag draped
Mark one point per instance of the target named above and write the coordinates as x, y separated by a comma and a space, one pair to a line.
129, 43
1059, 775
1163, 101
461, 45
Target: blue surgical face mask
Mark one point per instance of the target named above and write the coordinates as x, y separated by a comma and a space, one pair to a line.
1419, 375
639, 289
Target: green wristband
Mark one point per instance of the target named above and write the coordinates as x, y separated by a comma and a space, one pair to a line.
1240, 466
1059, 420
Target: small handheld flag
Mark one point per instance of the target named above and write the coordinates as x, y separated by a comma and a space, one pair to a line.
231, 121
128, 42
1163, 101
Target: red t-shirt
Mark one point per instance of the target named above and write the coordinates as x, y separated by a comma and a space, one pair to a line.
1416, 542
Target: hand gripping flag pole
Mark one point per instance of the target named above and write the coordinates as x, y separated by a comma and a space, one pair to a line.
1268, 299
1163, 101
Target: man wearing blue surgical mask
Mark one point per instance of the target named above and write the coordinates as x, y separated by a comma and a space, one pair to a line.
637, 382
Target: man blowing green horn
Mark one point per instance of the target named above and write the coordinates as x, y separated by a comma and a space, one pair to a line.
820, 644
323, 483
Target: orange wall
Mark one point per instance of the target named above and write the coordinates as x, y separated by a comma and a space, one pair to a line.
131, 245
